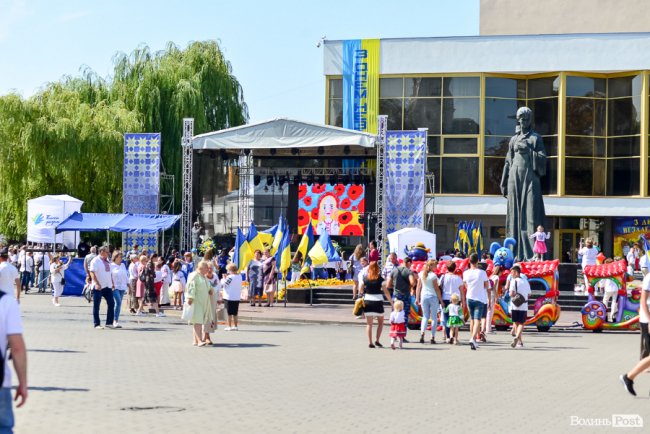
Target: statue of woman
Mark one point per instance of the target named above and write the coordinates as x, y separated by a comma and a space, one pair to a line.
520, 184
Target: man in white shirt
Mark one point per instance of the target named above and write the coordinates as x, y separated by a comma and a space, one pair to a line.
644, 314
518, 313
26, 269
9, 276
43, 271
476, 281
391, 263
102, 279
11, 338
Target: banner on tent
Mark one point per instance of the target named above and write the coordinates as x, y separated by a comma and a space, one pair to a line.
404, 184
361, 84
141, 184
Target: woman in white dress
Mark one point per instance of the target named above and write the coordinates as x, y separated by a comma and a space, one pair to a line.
57, 273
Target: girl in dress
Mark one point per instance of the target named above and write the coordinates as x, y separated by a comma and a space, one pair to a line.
397, 324
454, 313
178, 283
540, 238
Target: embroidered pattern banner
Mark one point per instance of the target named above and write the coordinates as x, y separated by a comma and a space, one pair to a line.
141, 186
361, 84
404, 179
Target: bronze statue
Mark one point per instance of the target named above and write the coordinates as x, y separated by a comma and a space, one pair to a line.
520, 184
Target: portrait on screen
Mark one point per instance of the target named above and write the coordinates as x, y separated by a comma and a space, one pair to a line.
330, 208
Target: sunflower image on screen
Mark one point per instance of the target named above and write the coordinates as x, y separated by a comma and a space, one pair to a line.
328, 215
330, 208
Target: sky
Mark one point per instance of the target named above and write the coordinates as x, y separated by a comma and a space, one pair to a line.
271, 45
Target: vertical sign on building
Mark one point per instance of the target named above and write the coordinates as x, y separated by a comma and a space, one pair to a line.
404, 179
361, 84
141, 186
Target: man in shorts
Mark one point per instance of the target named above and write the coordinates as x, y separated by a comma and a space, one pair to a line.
402, 280
476, 282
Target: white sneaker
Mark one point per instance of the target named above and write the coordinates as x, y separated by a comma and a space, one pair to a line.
227, 329
140, 313
57, 304
234, 329
99, 327
161, 314
117, 325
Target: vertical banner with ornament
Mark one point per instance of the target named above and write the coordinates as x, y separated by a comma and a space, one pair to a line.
141, 188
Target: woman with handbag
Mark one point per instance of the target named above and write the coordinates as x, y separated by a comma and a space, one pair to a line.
198, 302
121, 282
354, 268
519, 294
373, 292
57, 271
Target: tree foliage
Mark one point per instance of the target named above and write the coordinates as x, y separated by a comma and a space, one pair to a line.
68, 138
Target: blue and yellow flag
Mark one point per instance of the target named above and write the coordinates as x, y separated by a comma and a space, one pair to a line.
323, 251
306, 243
254, 239
243, 254
279, 233
267, 236
478, 238
283, 256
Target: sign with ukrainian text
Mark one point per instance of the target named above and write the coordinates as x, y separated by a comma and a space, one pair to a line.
361, 84
629, 230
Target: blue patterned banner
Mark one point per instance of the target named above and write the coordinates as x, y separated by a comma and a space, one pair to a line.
141, 183
404, 172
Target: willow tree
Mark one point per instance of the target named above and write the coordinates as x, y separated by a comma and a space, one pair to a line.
169, 85
60, 141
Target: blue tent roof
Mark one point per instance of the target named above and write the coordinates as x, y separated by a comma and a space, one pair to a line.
140, 223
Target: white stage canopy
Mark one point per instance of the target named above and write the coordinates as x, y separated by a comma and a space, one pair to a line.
45, 213
281, 134
409, 237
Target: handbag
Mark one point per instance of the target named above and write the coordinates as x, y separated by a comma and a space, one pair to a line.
518, 299
188, 311
88, 292
63, 281
359, 307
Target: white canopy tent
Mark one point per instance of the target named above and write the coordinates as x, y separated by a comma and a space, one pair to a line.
45, 213
281, 134
405, 238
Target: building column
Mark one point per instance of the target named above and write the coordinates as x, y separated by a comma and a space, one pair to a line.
561, 134
644, 136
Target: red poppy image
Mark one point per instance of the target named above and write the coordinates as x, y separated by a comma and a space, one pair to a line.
353, 230
345, 203
302, 190
303, 217
307, 201
362, 206
314, 214
345, 218
339, 189
318, 188
355, 191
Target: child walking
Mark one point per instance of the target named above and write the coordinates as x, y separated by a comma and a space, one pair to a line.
178, 283
232, 284
454, 313
397, 324
540, 238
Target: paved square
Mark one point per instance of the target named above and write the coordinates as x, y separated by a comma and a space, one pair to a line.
147, 378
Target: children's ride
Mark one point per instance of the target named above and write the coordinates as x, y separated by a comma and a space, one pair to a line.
594, 313
418, 252
503, 255
546, 311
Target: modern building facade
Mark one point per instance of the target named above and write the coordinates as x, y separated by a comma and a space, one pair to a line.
590, 97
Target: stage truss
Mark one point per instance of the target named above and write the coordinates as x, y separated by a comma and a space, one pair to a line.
186, 211
246, 193
380, 228
430, 200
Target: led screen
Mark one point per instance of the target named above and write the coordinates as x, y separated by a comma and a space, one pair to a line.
331, 208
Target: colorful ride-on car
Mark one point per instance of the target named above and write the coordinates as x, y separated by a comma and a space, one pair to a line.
594, 313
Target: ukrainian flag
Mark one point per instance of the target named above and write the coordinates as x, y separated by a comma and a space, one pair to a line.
323, 251
279, 233
478, 238
243, 254
267, 236
283, 256
254, 239
306, 243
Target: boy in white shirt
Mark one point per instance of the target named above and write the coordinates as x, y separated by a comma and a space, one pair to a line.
232, 284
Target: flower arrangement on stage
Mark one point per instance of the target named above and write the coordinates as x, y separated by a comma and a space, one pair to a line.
305, 283
207, 245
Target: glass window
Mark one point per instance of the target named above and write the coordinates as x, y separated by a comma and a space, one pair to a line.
464, 145
493, 174
624, 147
390, 87
461, 86
623, 177
422, 87
549, 182
505, 87
543, 87
433, 145
496, 146
585, 147
336, 113
392, 108
422, 113
501, 115
459, 175
585, 86
460, 116
580, 116
433, 166
545, 113
624, 86
623, 116
585, 177
336, 88
550, 145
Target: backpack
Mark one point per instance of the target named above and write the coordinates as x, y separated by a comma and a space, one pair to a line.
2, 355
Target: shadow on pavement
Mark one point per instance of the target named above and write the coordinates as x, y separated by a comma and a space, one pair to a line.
143, 329
264, 331
56, 389
33, 350
229, 345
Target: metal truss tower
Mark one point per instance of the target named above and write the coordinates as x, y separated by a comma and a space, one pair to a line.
186, 212
246, 171
380, 228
